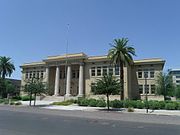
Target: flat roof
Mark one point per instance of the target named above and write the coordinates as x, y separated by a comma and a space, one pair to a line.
88, 59
33, 64
64, 56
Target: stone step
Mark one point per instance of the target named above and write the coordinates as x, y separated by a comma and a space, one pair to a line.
57, 98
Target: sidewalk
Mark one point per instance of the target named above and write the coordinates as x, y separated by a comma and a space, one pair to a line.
138, 111
159, 112
82, 108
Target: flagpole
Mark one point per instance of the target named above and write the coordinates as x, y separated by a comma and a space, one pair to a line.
67, 45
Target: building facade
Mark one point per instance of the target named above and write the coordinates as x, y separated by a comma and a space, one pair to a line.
73, 75
175, 73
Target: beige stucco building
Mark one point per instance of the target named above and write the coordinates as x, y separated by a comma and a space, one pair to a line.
73, 75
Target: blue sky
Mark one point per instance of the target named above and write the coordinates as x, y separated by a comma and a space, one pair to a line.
31, 30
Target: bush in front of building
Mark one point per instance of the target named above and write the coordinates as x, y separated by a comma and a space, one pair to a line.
26, 98
116, 104
101, 103
139, 104
1, 101
83, 102
170, 106
154, 105
63, 103
93, 102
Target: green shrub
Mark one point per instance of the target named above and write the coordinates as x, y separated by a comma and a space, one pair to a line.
170, 106
130, 103
154, 105
101, 103
116, 104
18, 103
162, 104
140, 104
26, 98
16, 98
83, 102
1, 101
64, 103
92, 102
178, 106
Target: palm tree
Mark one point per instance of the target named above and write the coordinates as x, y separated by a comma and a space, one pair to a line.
6, 67
121, 54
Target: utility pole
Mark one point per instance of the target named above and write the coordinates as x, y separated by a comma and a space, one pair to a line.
145, 77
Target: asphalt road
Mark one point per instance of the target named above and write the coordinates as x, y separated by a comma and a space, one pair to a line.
29, 123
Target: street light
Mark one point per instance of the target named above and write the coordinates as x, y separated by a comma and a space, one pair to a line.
145, 77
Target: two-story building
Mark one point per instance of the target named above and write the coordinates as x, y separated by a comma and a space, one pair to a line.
73, 75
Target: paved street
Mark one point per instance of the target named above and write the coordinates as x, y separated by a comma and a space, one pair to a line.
35, 121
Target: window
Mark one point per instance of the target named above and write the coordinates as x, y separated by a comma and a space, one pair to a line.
73, 74
34, 74
26, 75
77, 74
152, 89
146, 75
93, 71
98, 71
139, 73
140, 89
64, 74
42, 74
146, 88
178, 76
110, 70
152, 73
105, 70
177, 81
37, 74
117, 70
30, 75
60, 75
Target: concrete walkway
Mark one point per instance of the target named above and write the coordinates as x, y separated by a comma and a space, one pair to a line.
139, 111
38, 102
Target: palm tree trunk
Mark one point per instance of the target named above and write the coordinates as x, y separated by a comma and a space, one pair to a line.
122, 80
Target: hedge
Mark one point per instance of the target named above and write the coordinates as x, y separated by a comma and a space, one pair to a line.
91, 102
140, 104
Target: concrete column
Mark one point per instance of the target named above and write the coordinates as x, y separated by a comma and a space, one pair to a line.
81, 80
56, 90
68, 83
47, 75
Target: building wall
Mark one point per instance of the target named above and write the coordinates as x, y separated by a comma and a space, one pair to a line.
131, 73
156, 68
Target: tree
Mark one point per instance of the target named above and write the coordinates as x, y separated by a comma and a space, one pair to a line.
177, 92
164, 85
121, 54
108, 85
10, 88
6, 67
34, 86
